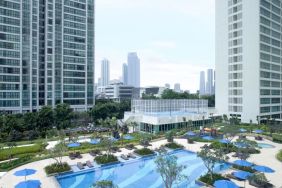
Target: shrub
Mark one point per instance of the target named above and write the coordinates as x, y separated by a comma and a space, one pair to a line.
259, 180
279, 155
104, 159
144, 151
104, 184
277, 138
244, 168
15, 163
207, 179
169, 136
173, 145
226, 147
57, 168
5, 153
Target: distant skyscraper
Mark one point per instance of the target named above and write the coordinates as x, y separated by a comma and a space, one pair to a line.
248, 59
105, 72
133, 69
202, 89
209, 83
46, 54
125, 74
167, 86
177, 87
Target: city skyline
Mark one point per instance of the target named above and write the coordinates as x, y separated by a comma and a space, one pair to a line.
173, 56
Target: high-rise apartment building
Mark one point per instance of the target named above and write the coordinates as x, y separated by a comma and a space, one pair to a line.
202, 89
167, 86
248, 58
177, 87
125, 74
133, 69
46, 54
105, 72
209, 90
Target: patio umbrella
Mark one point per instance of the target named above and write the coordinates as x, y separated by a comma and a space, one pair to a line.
243, 175
73, 145
95, 141
243, 163
225, 184
242, 130
191, 133
128, 137
258, 131
224, 141
264, 169
25, 172
207, 138
29, 184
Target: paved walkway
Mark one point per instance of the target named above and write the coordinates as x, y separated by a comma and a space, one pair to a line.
266, 157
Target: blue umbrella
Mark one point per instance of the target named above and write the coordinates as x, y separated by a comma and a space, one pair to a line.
74, 145
191, 133
29, 184
242, 130
258, 131
95, 141
263, 169
224, 141
225, 184
128, 137
207, 138
25, 172
243, 163
243, 175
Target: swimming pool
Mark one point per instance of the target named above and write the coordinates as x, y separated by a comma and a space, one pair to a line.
265, 145
138, 173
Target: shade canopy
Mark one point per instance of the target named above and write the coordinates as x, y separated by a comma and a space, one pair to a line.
258, 131
225, 184
191, 133
224, 141
242, 130
264, 169
73, 145
25, 172
207, 138
29, 184
95, 141
128, 137
243, 175
243, 163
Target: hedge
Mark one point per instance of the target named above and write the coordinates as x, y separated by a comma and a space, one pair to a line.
279, 155
173, 145
5, 153
206, 178
15, 163
104, 159
277, 137
144, 151
56, 168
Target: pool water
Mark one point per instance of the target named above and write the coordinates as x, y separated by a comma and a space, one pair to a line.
265, 145
139, 173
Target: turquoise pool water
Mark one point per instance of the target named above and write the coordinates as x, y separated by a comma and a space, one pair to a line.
265, 145
139, 173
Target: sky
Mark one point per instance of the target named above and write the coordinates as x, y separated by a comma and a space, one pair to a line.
174, 39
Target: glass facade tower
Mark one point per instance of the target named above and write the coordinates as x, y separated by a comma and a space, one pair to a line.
46, 54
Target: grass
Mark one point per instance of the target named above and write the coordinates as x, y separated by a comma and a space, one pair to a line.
17, 151
56, 168
15, 163
279, 155
144, 151
105, 159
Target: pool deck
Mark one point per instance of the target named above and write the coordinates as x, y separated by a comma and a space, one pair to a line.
266, 157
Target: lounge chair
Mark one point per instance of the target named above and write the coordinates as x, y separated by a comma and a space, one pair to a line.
92, 153
129, 147
78, 155
131, 155
89, 164
72, 156
124, 157
80, 165
258, 138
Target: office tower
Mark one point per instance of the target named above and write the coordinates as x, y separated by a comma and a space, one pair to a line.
105, 72
167, 86
46, 54
209, 83
125, 74
133, 69
248, 59
177, 87
202, 83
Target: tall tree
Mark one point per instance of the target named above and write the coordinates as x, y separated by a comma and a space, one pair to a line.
63, 115
46, 119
